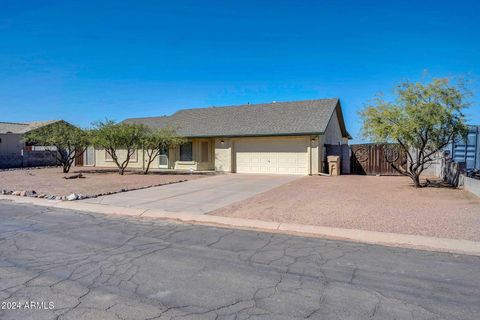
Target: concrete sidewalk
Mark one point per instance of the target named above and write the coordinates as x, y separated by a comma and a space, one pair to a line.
363, 236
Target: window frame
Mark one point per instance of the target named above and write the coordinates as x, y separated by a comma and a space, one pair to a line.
191, 152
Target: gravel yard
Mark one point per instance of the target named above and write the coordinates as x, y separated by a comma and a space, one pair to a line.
51, 181
386, 204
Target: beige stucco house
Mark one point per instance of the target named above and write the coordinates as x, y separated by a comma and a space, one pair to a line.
281, 138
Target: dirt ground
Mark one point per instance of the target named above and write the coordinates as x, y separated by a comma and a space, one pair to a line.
386, 204
51, 181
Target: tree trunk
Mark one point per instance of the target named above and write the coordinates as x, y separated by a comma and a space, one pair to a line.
147, 167
121, 169
416, 180
151, 157
67, 165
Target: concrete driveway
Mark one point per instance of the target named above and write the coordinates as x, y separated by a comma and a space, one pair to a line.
197, 196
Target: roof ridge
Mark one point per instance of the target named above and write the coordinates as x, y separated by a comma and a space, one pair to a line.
180, 111
21, 123
42, 121
258, 104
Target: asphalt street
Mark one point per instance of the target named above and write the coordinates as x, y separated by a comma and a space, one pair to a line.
62, 264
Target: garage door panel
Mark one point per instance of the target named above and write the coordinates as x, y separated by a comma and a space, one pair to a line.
282, 155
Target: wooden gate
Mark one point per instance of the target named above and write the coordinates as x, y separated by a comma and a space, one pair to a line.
79, 158
373, 159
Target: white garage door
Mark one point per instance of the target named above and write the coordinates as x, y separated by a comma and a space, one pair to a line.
272, 155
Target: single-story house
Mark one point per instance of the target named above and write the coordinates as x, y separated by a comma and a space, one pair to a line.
282, 137
13, 148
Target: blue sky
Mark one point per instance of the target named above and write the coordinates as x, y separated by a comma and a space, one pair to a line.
89, 60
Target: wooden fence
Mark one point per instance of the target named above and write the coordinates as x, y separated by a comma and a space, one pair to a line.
376, 159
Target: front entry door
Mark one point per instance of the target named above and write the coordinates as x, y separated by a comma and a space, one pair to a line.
163, 158
89, 156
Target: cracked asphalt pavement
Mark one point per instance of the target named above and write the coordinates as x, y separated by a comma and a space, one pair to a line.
93, 266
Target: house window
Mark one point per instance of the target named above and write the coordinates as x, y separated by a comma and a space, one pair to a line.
204, 151
186, 152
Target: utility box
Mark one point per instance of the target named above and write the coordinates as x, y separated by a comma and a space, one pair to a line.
333, 165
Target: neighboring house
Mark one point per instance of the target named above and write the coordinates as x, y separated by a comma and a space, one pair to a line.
13, 149
287, 137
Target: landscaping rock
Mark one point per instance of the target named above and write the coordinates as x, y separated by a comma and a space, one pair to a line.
4, 191
75, 176
97, 182
72, 197
23, 193
42, 195
58, 198
30, 193
16, 193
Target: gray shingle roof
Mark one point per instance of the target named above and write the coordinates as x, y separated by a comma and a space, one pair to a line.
281, 118
19, 128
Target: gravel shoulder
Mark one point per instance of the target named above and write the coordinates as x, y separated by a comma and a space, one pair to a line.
385, 204
51, 181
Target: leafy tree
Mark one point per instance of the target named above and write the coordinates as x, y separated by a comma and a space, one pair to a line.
423, 120
66, 138
157, 139
113, 137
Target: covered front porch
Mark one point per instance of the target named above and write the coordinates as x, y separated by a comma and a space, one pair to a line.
196, 154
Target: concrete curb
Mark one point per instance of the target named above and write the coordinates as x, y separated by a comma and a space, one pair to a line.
363, 236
